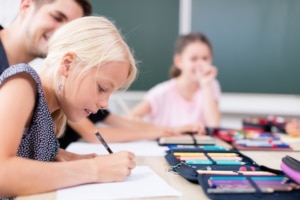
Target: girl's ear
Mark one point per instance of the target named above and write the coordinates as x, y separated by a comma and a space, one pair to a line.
67, 62
177, 60
24, 6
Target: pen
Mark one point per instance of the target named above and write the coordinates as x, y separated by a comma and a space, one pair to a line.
103, 142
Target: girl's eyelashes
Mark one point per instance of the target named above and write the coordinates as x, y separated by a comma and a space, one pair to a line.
57, 18
101, 89
205, 58
196, 58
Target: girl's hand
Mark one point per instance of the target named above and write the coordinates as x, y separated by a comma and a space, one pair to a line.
293, 128
206, 73
64, 155
190, 128
114, 167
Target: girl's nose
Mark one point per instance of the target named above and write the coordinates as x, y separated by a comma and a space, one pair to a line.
103, 104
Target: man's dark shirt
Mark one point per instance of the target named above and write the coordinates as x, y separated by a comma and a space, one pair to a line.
3, 58
71, 136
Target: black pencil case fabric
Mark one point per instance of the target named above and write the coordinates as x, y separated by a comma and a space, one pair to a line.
191, 173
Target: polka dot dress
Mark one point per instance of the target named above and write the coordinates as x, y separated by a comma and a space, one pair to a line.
38, 141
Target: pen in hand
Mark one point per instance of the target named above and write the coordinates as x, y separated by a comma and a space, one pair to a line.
103, 142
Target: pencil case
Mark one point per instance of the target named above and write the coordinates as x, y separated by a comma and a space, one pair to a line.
256, 124
251, 140
225, 134
269, 143
180, 162
187, 139
291, 167
273, 124
250, 172
236, 187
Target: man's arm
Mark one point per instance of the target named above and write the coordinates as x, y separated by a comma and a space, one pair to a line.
120, 129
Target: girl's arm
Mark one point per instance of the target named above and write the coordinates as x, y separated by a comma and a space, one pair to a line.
20, 176
64, 155
140, 110
120, 129
211, 109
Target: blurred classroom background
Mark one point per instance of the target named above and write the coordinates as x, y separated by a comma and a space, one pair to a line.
256, 46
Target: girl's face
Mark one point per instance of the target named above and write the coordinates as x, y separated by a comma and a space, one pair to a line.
91, 91
193, 56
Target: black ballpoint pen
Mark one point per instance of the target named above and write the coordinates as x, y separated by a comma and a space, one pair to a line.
103, 142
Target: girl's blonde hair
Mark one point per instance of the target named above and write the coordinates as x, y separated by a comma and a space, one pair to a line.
95, 41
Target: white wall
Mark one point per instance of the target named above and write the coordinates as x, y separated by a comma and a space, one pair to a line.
185, 14
8, 11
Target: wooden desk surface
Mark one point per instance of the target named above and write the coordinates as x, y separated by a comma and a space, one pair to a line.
189, 190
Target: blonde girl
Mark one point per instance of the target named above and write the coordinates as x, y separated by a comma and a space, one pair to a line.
87, 61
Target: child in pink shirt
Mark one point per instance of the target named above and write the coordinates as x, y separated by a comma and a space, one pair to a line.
190, 98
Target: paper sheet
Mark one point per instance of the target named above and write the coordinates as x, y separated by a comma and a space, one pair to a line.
139, 148
142, 183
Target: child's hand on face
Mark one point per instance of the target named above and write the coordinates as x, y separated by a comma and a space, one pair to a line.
206, 73
293, 128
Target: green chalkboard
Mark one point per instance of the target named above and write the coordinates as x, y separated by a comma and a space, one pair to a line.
150, 28
256, 43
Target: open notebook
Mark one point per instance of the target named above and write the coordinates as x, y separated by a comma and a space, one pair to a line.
142, 183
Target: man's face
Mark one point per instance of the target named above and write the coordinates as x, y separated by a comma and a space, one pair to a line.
39, 24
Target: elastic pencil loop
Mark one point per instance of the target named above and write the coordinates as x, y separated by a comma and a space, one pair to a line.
249, 168
254, 184
212, 160
194, 139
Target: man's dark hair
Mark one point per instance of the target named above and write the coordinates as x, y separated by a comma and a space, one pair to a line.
84, 4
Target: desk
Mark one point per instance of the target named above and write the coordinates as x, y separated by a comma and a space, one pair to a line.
189, 190
159, 165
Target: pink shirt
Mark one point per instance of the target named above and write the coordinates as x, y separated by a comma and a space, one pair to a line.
169, 108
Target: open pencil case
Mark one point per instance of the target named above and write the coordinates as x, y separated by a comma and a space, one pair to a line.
247, 170
252, 187
251, 140
181, 162
273, 124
